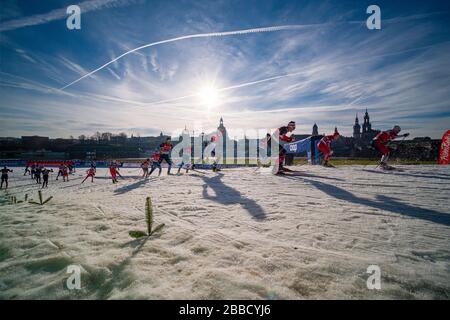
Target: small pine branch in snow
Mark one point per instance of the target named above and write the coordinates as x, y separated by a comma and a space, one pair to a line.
149, 214
41, 201
11, 199
149, 220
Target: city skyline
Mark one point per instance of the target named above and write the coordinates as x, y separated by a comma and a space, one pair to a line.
359, 132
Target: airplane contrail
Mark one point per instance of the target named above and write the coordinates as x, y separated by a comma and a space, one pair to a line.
199, 35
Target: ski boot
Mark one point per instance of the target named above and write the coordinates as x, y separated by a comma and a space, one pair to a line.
386, 167
327, 164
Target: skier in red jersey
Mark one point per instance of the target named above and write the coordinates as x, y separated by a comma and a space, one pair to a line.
113, 172
324, 146
65, 173
155, 163
145, 165
165, 148
380, 141
90, 173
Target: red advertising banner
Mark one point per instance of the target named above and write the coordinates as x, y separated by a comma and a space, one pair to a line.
445, 146
49, 163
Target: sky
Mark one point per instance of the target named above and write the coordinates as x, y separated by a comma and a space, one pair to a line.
325, 68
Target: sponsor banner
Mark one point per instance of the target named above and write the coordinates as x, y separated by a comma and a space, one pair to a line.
50, 163
445, 148
13, 163
298, 146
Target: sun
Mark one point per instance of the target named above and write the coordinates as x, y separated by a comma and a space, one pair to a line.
209, 96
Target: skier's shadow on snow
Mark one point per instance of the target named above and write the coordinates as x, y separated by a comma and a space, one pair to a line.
415, 175
302, 174
118, 277
383, 203
227, 195
129, 187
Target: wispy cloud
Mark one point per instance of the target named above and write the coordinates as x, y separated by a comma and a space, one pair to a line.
58, 14
24, 55
115, 75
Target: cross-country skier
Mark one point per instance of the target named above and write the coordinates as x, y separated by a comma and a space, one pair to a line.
156, 163
94, 165
90, 173
33, 171
70, 167
165, 148
5, 172
324, 146
113, 172
37, 174
60, 171
27, 170
65, 172
264, 151
145, 165
45, 174
211, 148
380, 141
118, 165
214, 140
185, 160
283, 139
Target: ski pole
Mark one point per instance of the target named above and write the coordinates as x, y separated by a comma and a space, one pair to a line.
401, 143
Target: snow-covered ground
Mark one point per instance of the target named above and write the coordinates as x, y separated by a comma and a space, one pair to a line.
238, 234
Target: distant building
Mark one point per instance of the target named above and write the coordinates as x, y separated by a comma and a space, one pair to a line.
356, 129
367, 127
315, 131
367, 132
35, 142
221, 128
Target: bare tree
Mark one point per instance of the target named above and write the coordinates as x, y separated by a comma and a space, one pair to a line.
97, 136
106, 136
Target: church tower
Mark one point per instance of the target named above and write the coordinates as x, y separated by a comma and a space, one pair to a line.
356, 129
222, 129
367, 127
315, 131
